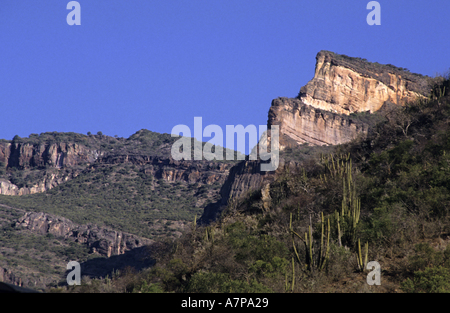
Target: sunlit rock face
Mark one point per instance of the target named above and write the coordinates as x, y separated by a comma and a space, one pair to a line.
341, 86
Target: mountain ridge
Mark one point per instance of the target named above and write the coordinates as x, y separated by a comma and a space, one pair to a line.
135, 186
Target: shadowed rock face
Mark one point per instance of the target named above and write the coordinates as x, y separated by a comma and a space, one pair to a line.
24, 155
49, 182
104, 241
341, 86
39, 156
202, 171
243, 177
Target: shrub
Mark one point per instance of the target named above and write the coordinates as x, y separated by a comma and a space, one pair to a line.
426, 256
221, 282
431, 280
148, 288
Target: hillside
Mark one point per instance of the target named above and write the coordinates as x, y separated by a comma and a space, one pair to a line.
362, 176
129, 186
383, 197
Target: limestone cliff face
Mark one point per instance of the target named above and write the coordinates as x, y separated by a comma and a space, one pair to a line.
25, 155
345, 85
68, 160
301, 123
341, 86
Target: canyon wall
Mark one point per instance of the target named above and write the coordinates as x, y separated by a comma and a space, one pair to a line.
59, 162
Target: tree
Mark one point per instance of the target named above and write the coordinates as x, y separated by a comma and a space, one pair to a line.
89, 133
99, 133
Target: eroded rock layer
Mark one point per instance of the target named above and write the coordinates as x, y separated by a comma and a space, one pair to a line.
341, 85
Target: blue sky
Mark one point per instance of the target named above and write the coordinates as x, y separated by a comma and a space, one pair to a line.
155, 64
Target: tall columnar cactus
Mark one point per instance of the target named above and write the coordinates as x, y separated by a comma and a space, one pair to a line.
293, 275
194, 224
350, 208
324, 259
309, 249
322, 255
209, 234
362, 264
293, 241
339, 235
336, 165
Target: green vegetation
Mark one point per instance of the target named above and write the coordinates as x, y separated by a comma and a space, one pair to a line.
385, 197
107, 195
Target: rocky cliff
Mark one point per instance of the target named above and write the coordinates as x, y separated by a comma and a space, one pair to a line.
50, 181
103, 241
45, 159
302, 123
201, 171
243, 178
324, 113
341, 86
63, 154
37, 164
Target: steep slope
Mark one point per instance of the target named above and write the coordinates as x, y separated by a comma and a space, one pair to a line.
382, 198
95, 196
337, 105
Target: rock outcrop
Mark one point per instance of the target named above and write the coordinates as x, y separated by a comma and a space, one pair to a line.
49, 161
48, 182
101, 240
346, 85
322, 115
301, 123
8, 276
341, 86
40, 157
63, 154
202, 171
243, 177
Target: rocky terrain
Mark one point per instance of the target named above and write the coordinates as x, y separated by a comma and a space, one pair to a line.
112, 198
106, 242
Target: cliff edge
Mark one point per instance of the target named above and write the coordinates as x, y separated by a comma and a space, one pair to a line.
342, 85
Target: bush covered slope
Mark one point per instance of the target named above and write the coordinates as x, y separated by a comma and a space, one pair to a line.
383, 198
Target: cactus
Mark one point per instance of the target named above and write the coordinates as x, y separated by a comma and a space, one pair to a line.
325, 259
293, 275
350, 209
209, 234
336, 165
362, 264
293, 241
366, 256
309, 250
322, 256
336, 214
194, 225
